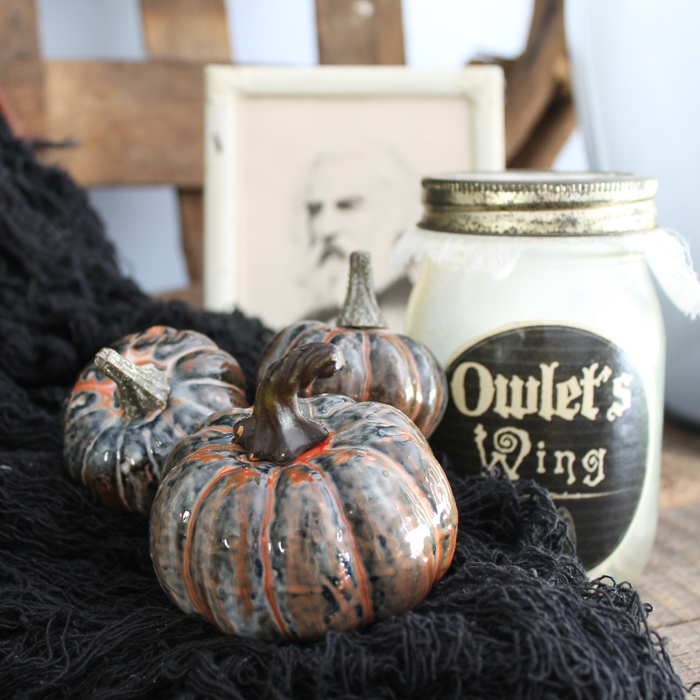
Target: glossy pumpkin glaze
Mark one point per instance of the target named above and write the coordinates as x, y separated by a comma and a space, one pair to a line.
120, 458
354, 529
379, 365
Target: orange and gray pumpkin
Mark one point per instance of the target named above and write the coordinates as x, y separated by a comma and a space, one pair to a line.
134, 401
379, 365
301, 516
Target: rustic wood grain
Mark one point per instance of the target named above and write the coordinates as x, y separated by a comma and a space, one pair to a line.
683, 645
192, 295
680, 472
539, 114
192, 222
671, 579
193, 30
135, 123
360, 32
186, 30
21, 68
8, 113
532, 80
548, 136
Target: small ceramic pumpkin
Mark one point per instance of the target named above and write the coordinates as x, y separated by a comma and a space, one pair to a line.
379, 365
300, 516
134, 401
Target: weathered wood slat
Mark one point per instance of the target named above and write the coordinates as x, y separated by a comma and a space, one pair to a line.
8, 113
360, 32
680, 473
21, 69
192, 30
671, 579
192, 222
548, 137
186, 30
683, 645
135, 123
539, 109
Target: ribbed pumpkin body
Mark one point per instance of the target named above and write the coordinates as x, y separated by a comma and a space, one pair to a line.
356, 529
379, 366
120, 459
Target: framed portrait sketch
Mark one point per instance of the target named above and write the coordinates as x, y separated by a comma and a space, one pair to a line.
305, 165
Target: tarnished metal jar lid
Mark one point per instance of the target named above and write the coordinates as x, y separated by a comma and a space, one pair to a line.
538, 203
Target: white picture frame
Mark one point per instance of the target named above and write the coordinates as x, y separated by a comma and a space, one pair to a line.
281, 143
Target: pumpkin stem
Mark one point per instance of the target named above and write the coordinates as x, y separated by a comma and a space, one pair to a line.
140, 388
280, 429
360, 309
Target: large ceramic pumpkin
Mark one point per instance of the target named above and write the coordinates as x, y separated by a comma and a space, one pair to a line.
301, 516
379, 365
134, 401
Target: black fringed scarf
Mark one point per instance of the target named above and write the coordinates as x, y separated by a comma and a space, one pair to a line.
81, 612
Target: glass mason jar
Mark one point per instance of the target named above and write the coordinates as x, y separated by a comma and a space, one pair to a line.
536, 299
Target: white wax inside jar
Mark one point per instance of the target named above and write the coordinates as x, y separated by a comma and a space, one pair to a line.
598, 284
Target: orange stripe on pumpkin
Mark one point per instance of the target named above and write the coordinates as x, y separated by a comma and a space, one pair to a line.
414, 489
106, 387
265, 552
210, 453
187, 578
438, 542
331, 334
368, 367
242, 552
315, 451
243, 476
105, 390
436, 402
362, 577
417, 389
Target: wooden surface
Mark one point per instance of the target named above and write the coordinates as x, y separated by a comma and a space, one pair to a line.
139, 123
21, 68
671, 580
192, 30
360, 32
540, 113
186, 30
127, 122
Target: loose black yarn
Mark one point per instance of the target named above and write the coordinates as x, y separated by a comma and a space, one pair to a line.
82, 614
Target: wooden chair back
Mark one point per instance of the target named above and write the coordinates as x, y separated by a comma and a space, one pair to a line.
141, 123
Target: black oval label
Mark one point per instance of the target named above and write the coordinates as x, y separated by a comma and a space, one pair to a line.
563, 406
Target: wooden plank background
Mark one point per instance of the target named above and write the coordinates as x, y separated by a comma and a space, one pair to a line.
141, 123
128, 104
671, 579
195, 31
360, 32
21, 67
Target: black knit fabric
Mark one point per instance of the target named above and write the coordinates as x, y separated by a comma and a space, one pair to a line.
82, 614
